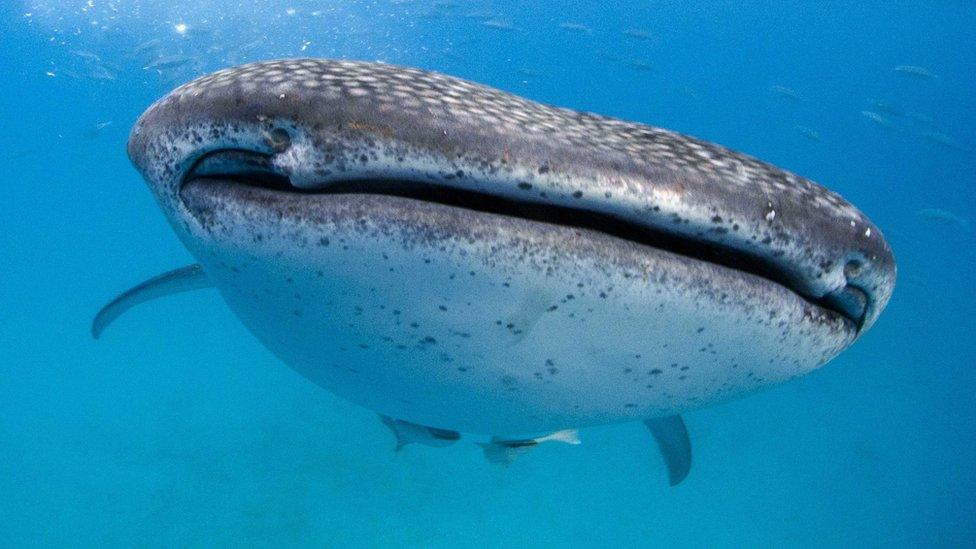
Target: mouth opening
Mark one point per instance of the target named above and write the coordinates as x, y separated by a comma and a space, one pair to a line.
255, 170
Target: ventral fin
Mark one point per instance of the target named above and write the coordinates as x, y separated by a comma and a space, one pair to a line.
412, 433
504, 451
672, 438
178, 281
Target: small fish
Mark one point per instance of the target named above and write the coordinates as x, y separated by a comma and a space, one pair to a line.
504, 451
98, 72
942, 216
942, 139
96, 130
411, 433
198, 32
920, 118
146, 47
86, 55
788, 93
887, 108
575, 27
499, 25
253, 44
877, 119
168, 62
640, 34
914, 71
809, 133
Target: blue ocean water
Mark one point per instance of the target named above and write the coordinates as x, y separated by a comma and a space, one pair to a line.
178, 428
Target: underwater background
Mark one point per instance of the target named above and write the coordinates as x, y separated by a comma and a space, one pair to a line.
178, 428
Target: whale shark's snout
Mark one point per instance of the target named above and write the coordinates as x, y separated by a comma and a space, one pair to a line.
462, 259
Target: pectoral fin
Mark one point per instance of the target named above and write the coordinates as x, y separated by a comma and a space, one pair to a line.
181, 280
672, 438
412, 433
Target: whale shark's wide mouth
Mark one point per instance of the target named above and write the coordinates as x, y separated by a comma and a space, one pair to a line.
253, 171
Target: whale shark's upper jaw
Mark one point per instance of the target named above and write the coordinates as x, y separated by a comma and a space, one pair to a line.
326, 127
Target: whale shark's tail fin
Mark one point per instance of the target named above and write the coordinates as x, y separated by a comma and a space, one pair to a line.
178, 281
672, 438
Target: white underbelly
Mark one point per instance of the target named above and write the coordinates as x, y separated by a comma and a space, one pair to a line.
478, 338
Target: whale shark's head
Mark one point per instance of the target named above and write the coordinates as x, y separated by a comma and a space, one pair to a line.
246, 154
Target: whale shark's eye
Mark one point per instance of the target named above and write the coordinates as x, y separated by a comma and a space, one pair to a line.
278, 139
852, 269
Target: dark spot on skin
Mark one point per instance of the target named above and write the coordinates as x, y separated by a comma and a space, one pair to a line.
324, 241
428, 340
700, 329
656, 371
441, 307
630, 405
578, 194
543, 169
414, 325
525, 186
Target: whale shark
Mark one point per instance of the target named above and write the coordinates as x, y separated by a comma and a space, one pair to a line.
459, 259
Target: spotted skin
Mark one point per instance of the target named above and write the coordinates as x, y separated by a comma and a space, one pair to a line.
494, 324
